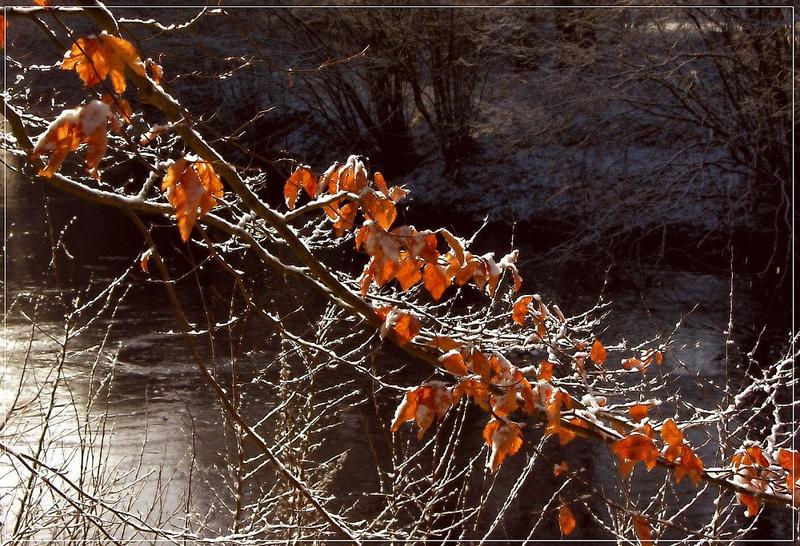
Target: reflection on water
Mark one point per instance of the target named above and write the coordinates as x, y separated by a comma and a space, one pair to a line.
129, 375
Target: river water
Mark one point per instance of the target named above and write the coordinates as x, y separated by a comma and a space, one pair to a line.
159, 414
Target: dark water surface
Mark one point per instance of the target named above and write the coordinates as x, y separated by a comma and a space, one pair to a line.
157, 400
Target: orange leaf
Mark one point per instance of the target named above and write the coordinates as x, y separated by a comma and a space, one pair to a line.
422, 405
444, 343
526, 391
85, 124
192, 189
642, 528
464, 274
671, 434
352, 176
566, 520
435, 280
383, 268
634, 363
123, 109
789, 461
487, 274
409, 273
553, 410
636, 447
407, 327
689, 465
545, 371
144, 259
453, 362
381, 210
506, 403
560, 468
87, 58
505, 438
97, 57
120, 53
750, 502
301, 178
638, 411
598, 353
520, 309
750, 456
364, 281
58, 141
346, 219
407, 410
481, 365
455, 244
380, 183
96, 144
330, 179
423, 244
397, 193
476, 390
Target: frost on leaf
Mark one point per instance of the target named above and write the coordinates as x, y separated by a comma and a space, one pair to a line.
144, 259
192, 189
404, 325
154, 70
634, 363
751, 472
85, 124
97, 57
566, 520
420, 244
453, 362
641, 364
422, 405
456, 244
504, 437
